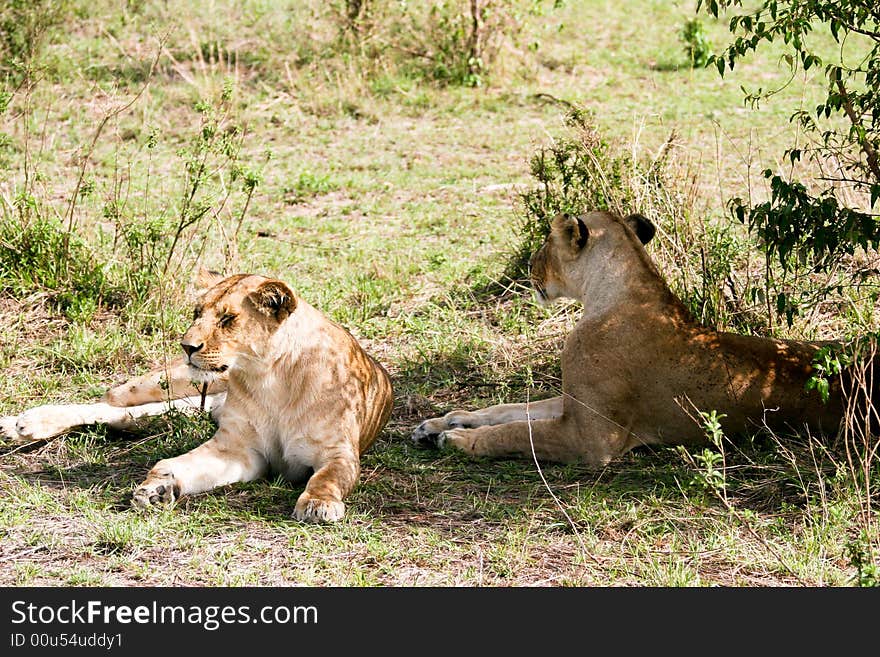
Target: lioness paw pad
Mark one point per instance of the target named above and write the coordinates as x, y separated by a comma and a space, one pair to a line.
428, 433
155, 492
309, 509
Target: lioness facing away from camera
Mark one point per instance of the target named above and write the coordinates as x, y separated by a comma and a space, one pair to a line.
291, 391
637, 367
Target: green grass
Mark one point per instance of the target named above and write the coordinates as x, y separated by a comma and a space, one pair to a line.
391, 204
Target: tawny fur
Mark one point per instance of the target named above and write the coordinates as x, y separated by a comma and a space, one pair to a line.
292, 392
637, 368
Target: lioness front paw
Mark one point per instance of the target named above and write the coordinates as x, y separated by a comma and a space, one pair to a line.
8, 430
42, 422
156, 490
428, 433
311, 509
457, 438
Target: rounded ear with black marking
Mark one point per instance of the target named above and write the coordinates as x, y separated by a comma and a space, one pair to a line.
206, 279
641, 226
275, 299
571, 230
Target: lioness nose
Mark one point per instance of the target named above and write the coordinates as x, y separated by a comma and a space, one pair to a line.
190, 349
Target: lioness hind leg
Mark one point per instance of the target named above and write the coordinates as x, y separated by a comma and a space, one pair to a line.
321, 501
428, 432
49, 420
43, 422
163, 383
147, 395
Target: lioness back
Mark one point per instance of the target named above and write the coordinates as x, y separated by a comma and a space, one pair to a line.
367, 383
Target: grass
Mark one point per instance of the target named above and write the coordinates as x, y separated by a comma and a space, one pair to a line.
390, 203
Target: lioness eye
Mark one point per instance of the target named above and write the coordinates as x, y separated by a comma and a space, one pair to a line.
226, 320
197, 313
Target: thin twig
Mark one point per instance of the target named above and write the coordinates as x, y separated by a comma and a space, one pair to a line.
91, 149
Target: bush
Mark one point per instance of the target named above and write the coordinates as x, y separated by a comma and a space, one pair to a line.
118, 242
704, 259
574, 173
37, 253
447, 41
809, 227
696, 44
153, 248
25, 28
709, 261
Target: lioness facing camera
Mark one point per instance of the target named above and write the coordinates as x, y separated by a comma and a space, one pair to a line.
637, 367
291, 391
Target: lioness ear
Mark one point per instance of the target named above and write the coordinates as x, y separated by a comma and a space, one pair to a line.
641, 226
206, 279
275, 299
572, 230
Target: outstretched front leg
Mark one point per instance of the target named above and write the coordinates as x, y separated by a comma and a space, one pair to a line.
558, 439
226, 458
429, 431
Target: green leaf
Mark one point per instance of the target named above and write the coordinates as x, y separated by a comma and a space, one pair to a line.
823, 388
780, 302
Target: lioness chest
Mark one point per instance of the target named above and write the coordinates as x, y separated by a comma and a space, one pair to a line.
296, 422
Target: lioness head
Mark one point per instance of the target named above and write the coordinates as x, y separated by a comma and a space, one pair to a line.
232, 321
557, 268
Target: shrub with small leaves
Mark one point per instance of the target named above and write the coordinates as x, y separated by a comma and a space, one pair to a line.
37, 253
860, 556
574, 173
25, 28
697, 47
810, 226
